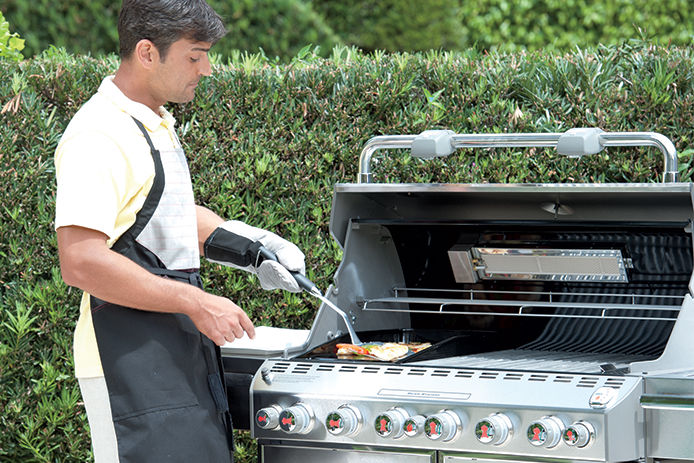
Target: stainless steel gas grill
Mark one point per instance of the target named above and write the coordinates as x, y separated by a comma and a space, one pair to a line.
560, 319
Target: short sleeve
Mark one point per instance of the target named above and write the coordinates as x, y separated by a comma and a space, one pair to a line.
91, 175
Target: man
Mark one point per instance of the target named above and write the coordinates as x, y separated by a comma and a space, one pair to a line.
130, 236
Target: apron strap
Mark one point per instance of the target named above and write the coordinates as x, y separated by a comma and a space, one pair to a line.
192, 277
143, 217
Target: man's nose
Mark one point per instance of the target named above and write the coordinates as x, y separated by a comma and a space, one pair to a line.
205, 66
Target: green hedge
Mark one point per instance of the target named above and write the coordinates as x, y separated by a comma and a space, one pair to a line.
564, 24
279, 27
267, 143
11, 44
395, 25
283, 27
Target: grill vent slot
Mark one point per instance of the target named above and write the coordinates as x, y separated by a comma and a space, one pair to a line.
371, 369
488, 375
563, 379
513, 376
441, 373
393, 371
326, 368
587, 381
348, 369
279, 368
465, 374
540, 378
416, 372
614, 382
302, 368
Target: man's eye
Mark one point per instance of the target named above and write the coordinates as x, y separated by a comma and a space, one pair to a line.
194, 60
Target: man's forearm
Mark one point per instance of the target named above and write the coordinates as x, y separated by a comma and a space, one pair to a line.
87, 263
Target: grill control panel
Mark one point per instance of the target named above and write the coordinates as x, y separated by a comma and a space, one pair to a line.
453, 415
446, 425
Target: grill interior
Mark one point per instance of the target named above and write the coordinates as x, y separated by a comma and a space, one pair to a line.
582, 326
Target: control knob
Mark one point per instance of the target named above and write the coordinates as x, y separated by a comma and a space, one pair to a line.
579, 434
390, 423
414, 425
494, 429
545, 432
297, 419
268, 418
344, 421
443, 426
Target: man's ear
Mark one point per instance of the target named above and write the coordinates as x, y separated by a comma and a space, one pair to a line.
146, 53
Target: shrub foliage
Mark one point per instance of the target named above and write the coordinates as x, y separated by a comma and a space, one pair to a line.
11, 44
564, 24
279, 27
283, 27
395, 25
266, 144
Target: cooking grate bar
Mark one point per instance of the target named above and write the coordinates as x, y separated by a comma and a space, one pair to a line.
532, 304
602, 311
548, 296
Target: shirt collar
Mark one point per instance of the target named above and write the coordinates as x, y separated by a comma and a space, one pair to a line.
139, 111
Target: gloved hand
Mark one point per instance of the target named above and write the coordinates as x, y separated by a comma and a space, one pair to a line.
272, 275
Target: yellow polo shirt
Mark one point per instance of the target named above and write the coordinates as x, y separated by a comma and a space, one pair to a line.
104, 171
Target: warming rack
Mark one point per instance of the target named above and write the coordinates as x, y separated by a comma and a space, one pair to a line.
550, 304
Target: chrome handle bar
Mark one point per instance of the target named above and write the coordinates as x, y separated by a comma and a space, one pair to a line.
574, 143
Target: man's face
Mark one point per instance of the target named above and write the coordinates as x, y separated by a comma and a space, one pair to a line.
177, 75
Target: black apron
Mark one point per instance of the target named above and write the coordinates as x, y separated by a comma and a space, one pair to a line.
165, 379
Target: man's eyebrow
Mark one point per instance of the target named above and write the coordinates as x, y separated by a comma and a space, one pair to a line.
200, 49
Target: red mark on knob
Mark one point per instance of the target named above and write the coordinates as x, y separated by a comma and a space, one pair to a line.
536, 434
286, 421
432, 428
262, 418
334, 423
485, 431
570, 435
384, 422
410, 427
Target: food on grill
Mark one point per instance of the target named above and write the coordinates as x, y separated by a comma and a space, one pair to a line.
386, 351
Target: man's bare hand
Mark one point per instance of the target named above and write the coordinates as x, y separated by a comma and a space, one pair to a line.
220, 319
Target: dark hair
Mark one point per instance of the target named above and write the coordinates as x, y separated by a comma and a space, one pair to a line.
165, 21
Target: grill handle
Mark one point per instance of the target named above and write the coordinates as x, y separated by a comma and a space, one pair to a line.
668, 402
574, 142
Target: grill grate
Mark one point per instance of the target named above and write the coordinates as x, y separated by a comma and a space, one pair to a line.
531, 360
